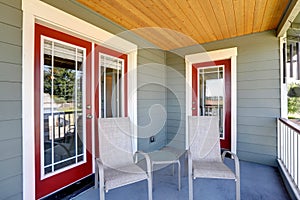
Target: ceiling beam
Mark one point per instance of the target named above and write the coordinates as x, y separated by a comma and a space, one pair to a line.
289, 16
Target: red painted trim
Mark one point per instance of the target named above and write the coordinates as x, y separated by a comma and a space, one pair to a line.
101, 49
194, 90
53, 183
227, 78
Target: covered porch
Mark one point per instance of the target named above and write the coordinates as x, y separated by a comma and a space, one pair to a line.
171, 54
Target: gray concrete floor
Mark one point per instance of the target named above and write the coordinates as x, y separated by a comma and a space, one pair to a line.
257, 182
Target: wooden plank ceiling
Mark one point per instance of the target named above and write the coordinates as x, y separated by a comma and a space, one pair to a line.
172, 24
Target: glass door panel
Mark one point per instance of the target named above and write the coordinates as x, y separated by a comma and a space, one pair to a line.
112, 90
211, 94
63, 105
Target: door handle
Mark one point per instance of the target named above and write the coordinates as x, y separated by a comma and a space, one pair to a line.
89, 116
193, 108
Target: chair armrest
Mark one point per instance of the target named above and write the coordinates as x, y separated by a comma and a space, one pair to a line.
236, 162
100, 168
148, 161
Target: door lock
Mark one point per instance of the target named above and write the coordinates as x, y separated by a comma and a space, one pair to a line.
89, 116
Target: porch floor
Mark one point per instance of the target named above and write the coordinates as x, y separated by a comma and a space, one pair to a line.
257, 182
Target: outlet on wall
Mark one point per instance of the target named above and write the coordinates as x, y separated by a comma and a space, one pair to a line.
151, 139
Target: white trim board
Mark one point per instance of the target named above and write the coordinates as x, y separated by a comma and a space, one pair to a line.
35, 11
230, 53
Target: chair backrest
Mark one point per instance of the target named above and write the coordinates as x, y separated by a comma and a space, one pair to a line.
115, 142
204, 138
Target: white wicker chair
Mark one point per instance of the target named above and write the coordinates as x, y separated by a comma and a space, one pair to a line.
204, 154
116, 166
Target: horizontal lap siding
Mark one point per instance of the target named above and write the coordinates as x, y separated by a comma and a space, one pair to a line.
10, 99
151, 95
258, 93
176, 100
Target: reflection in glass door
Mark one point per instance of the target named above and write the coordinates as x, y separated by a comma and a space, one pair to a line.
112, 90
62, 131
211, 94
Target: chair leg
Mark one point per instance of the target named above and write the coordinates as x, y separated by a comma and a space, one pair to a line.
190, 175
238, 189
173, 170
179, 175
101, 190
96, 176
190, 187
185, 165
152, 177
149, 188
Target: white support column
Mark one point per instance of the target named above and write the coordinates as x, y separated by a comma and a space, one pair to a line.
28, 107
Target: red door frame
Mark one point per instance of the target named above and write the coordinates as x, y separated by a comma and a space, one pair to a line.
100, 49
60, 180
226, 144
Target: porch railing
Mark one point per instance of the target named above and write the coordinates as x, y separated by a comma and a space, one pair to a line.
59, 124
288, 153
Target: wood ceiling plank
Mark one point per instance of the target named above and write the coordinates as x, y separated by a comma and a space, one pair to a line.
113, 12
204, 21
133, 21
207, 32
230, 17
149, 34
163, 17
182, 18
127, 8
220, 14
149, 19
189, 12
166, 18
170, 19
239, 12
259, 11
268, 15
249, 16
210, 14
281, 6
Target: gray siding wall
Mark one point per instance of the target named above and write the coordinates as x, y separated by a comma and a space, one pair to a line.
175, 100
258, 93
151, 91
10, 99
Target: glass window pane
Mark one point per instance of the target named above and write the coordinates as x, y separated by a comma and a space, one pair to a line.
63, 130
111, 86
211, 94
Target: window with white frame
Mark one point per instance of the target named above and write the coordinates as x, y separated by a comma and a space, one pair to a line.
112, 86
62, 105
211, 94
